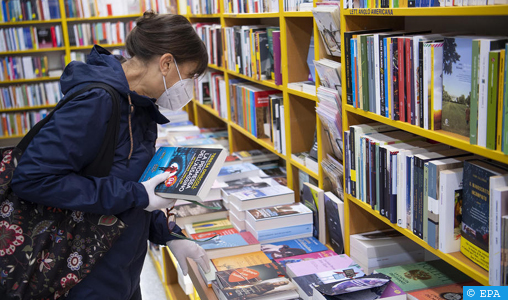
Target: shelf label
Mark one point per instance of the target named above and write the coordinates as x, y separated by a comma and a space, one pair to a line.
374, 11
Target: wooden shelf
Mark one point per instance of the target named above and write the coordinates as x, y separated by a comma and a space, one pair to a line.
267, 83
210, 110
266, 143
303, 95
204, 16
37, 22
252, 16
27, 108
306, 14
99, 18
11, 137
73, 48
16, 81
441, 136
304, 169
215, 67
487, 10
32, 51
456, 259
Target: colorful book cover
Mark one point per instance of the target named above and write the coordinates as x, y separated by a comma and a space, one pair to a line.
304, 257
237, 170
450, 291
494, 57
282, 232
192, 209
308, 199
370, 282
423, 275
211, 225
192, 171
263, 288
240, 261
320, 265
392, 290
292, 248
306, 282
229, 241
279, 211
209, 234
249, 275
457, 59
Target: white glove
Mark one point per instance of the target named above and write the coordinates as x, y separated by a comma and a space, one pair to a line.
156, 202
182, 249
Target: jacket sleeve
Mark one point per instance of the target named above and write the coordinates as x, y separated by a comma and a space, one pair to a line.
159, 232
48, 171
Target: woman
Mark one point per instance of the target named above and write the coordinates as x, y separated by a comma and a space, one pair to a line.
166, 55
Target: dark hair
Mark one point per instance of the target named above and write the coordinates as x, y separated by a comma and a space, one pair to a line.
159, 34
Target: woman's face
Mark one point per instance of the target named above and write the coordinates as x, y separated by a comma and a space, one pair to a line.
168, 69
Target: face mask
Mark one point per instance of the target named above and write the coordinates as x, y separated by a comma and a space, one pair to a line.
178, 95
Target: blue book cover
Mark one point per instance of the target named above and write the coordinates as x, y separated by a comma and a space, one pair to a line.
237, 169
192, 171
386, 79
224, 241
282, 232
292, 247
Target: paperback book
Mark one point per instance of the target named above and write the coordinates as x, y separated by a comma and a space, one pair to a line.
192, 171
292, 248
304, 257
275, 288
240, 261
319, 265
279, 216
367, 287
192, 212
249, 275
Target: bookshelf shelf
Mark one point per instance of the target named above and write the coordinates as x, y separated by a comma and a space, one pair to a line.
99, 18
11, 136
215, 67
441, 136
491, 10
32, 51
456, 259
23, 23
27, 108
305, 14
267, 83
73, 48
252, 16
302, 95
210, 110
304, 169
266, 143
204, 16
16, 81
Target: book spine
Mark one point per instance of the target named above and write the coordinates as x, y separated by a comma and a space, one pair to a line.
382, 77
377, 74
395, 82
421, 100
364, 73
368, 167
352, 64
392, 177
492, 99
482, 93
401, 80
373, 174
349, 81
499, 113
353, 161
382, 180
417, 206
388, 79
473, 126
425, 201
505, 108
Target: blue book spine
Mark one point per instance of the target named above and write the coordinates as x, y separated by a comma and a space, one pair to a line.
409, 179
276, 233
4, 10
353, 73
392, 180
386, 80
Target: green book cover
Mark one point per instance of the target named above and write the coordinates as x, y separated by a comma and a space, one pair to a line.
423, 275
505, 107
473, 129
270, 31
492, 99
365, 72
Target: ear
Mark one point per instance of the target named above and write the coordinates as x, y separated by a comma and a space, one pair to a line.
165, 63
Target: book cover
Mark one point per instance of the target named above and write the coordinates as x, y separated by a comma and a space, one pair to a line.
302, 268
457, 59
292, 247
209, 234
211, 225
492, 92
237, 171
369, 282
306, 282
328, 28
279, 211
423, 275
446, 292
265, 288
304, 257
450, 208
249, 275
436, 84
240, 261
310, 199
192, 209
333, 222
192, 171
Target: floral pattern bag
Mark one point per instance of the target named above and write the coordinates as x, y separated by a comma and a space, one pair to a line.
45, 251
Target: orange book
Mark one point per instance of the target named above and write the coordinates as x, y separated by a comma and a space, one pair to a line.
240, 261
438, 293
20, 127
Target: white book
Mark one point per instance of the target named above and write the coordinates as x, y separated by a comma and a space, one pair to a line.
450, 201
483, 91
498, 187
377, 79
278, 216
426, 84
283, 130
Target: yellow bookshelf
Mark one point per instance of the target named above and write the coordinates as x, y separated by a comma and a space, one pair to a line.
27, 108
39, 79
104, 18
491, 10
25, 23
76, 48
42, 50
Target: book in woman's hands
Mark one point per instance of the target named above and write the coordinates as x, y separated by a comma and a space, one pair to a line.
192, 171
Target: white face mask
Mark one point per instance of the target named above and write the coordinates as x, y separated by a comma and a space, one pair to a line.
178, 95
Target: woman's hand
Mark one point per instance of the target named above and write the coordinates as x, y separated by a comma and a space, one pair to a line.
182, 249
156, 202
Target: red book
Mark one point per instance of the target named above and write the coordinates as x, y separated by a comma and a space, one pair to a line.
409, 94
110, 9
277, 58
53, 36
209, 234
402, 91
41, 11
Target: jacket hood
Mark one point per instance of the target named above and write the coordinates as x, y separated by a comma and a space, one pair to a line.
102, 66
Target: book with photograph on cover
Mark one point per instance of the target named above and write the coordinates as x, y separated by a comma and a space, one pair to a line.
192, 171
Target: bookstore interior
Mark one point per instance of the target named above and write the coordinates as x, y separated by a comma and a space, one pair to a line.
360, 147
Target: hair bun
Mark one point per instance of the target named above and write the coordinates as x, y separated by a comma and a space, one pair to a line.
147, 16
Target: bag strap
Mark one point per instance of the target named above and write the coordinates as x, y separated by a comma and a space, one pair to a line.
103, 162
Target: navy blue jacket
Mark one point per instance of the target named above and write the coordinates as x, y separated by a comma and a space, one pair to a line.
48, 172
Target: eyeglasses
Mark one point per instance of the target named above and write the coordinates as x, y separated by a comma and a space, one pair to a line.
171, 222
